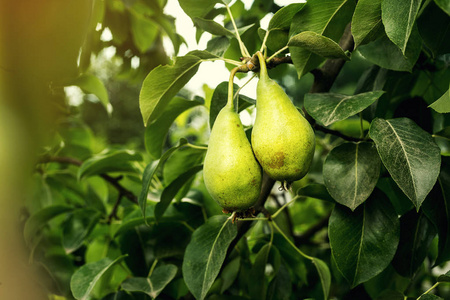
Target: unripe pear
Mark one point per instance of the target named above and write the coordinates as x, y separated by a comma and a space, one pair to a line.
282, 139
231, 173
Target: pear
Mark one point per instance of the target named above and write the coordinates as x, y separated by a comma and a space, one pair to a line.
282, 139
231, 172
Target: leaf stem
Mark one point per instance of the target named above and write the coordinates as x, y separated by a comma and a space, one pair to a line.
264, 41
430, 289
361, 125
152, 268
237, 92
291, 243
253, 219
278, 52
284, 206
231, 88
244, 50
196, 146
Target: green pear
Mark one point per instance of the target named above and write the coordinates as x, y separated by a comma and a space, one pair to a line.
282, 139
231, 173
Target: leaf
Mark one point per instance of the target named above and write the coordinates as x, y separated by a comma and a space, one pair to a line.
318, 44
398, 19
391, 295
154, 284
149, 172
219, 100
444, 277
351, 172
212, 27
172, 189
121, 295
442, 105
327, 108
85, 278
197, 8
280, 287
144, 31
156, 132
437, 208
430, 297
283, 17
180, 161
77, 227
328, 20
444, 5
317, 191
386, 54
324, 274
230, 273
366, 22
205, 254
416, 235
109, 161
437, 41
258, 285
39, 219
91, 84
163, 83
363, 242
409, 154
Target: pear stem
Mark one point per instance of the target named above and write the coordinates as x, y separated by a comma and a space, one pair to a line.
231, 88
262, 66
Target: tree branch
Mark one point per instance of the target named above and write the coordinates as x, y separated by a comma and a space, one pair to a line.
336, 133
113, 181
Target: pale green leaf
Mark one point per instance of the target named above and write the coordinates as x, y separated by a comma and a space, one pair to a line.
363, 242
91, 84
197, 8
85, 278
351, 172
409, 154
144, 31
328, 108
366, 21
444, 5
442, 105
205, 254
317, 44
283, 17
398, 19
212, 27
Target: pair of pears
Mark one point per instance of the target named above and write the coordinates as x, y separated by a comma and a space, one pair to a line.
282, 141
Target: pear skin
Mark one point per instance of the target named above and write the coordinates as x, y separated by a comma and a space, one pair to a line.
282, 139
231, 173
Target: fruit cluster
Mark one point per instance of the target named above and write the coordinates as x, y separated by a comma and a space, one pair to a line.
282, 143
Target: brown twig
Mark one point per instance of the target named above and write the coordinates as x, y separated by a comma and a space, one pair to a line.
114, 181
336, 133
113, 213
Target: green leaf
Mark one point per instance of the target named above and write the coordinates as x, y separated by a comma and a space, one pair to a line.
438, 41
172, 189
409, 154
276, 40
442, 105
363, 242
430, 297
156, 132
212, 27
258, 285
328, 20
230, 273
325, 276
144, 31
149, 172
197, 8
118, 296
154, 284
327, 108
85, 278
444, 277
444, 5
283, 17
77, 227
390, 295
219, 100
416, 235
317, 44
437, 208
366, 22
317, 191
205, 254
350, 173
163, 83
218, 45
386, 54
110, 161
180, 161
39, 219
398, 19
91, 84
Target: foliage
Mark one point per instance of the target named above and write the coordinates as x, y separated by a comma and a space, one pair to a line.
371, 220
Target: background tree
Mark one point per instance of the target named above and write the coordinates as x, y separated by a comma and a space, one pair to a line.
112, 215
